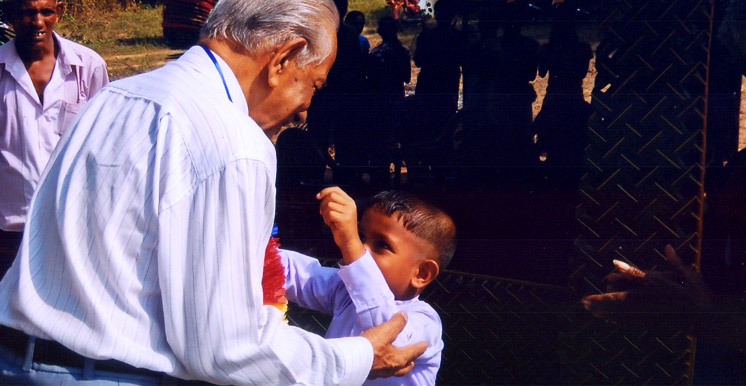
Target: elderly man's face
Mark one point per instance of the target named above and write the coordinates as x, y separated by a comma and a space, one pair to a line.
287, 103
34, 22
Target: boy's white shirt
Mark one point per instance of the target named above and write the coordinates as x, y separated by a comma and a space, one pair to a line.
358, 298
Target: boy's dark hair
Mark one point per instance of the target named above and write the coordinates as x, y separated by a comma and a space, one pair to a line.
425, 220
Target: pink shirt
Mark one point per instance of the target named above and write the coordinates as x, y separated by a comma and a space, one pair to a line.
29, 130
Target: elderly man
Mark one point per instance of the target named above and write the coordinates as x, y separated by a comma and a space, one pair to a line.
44, 79
145, 241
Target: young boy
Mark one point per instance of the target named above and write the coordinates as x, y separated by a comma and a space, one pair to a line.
402, 244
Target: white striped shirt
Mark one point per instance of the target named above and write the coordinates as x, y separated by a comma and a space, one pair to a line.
145, 239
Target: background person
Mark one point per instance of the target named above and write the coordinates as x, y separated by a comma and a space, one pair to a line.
388, 70
402, 245
438, 54
44, 81
356, 20
146, 238
334, 117
669, 301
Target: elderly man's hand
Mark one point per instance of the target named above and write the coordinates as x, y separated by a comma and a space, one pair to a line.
390, 360
659, 300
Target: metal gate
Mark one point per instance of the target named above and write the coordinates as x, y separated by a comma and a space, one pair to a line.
645, 181
643, 189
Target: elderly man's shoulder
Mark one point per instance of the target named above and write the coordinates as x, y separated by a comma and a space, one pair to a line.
179, 97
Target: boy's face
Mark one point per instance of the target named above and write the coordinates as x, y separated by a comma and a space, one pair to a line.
397, 251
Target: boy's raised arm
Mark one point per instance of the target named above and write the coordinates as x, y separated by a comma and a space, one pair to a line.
340, 214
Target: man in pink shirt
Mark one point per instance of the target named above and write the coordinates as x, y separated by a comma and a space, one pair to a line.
44, 81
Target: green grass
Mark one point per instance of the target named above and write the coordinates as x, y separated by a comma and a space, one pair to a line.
373, 9
138, 28
116, 32
366, 6
131, 39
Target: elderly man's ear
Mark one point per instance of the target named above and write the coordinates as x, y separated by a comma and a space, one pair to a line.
284, 60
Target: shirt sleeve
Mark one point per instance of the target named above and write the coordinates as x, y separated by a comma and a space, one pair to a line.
99, 78
210, 261
374, 303
309, 284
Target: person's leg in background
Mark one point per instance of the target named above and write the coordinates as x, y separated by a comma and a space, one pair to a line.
9, 243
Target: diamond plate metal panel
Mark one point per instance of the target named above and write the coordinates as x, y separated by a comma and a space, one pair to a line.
503, 331
643, 187
642, 190
495, 330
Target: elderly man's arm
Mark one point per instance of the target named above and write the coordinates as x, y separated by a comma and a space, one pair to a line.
210, 266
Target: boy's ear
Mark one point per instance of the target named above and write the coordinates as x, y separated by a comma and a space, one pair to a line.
283, 58
426, 273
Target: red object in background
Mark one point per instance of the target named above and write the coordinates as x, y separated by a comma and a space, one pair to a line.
411, 7
183, 19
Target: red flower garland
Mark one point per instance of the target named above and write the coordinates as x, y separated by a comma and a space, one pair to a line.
273, 279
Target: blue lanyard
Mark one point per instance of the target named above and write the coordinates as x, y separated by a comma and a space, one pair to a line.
215, 62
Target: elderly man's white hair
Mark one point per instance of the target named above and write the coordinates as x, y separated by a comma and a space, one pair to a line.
261, 24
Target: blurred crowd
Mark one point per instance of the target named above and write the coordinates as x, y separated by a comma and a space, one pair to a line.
468, 129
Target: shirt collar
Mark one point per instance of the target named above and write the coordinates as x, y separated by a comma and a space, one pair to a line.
407, 301
196, 53
66, 57
15, 67
11, 60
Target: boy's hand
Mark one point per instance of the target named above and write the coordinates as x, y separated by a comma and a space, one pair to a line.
340, 214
